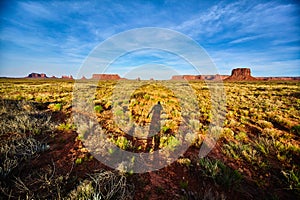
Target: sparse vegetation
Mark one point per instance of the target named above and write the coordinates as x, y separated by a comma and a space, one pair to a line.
42, 152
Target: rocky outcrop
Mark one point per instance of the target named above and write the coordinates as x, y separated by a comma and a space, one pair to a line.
37, 75
278, 78
241, 74
67, 77
106, 76
186, 77
199, 77
215, 77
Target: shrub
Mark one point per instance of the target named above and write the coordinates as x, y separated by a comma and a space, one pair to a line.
220, 173
296, 129
122, 142
103, 185
78, 161
55, 107
23, 117
17, 149
264, 124
241, 136
66, 127
292, 178
184, 161
169, 142
227, 133
98, 109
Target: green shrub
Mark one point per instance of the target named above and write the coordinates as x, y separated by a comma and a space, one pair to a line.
220, 173
55, 107
296, 129
264, 124
184, 161
184, 184
122, 142
66, 127
169, 142
98, 109
241, 136
292, 178
78, 161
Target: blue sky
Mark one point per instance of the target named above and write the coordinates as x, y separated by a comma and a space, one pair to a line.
55, 37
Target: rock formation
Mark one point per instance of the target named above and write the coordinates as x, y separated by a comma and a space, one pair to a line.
215, 77
238, 74
106, 76
37, 75
67, 77
187, 77
199, 77
278, 78
241, 74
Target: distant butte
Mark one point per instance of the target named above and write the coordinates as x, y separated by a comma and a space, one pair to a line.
241, 74
244, 74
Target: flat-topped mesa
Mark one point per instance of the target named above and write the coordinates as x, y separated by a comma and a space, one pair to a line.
241, 74
106, 76
37, 75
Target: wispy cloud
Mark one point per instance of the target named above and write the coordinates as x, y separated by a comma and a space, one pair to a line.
37, 10
63, 33
246, 39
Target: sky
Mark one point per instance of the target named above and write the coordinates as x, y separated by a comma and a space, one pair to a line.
56, 37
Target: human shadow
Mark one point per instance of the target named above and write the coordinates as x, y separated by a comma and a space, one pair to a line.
154, 129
